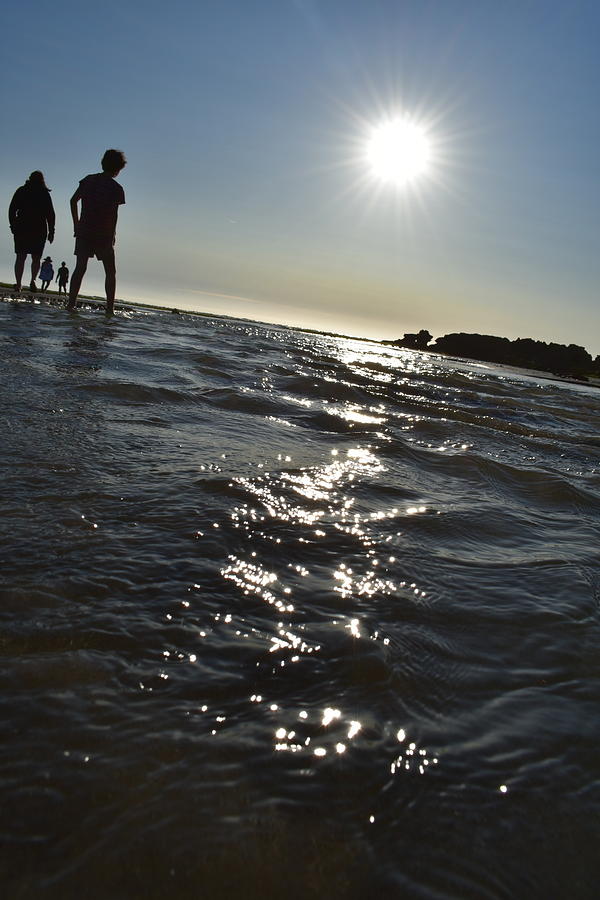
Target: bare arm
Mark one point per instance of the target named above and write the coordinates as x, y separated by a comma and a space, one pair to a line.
12, 212
51, 219
74, 210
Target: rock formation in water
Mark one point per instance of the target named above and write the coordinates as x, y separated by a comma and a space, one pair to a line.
570, 361
412, 341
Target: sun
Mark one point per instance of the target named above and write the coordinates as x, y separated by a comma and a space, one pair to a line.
398, 151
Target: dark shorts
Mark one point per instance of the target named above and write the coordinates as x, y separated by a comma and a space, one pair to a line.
30, 243
89, 247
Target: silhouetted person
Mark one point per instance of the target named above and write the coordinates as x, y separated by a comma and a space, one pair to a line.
95, 228
31, 217
46, 273
62, 276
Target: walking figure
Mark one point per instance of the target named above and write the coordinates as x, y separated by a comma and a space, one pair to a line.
46, 273
31, 218
62, 276
100, 196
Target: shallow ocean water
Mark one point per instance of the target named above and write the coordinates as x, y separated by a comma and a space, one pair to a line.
288, 615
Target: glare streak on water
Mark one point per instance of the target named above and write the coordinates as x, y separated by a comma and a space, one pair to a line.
281, 608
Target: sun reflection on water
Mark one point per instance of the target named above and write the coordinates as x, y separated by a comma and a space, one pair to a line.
333, 734
289, 506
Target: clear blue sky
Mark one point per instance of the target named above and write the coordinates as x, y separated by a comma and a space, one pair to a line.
245, 123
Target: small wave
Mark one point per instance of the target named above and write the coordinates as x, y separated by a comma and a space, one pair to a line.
260, 584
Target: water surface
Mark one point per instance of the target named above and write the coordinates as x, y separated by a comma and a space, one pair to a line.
287, 615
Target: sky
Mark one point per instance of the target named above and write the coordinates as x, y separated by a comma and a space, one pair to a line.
249, 190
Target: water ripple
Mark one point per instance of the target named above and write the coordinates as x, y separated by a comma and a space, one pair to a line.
284, 611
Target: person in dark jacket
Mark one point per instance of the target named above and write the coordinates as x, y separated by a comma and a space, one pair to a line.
46, 273
31, 217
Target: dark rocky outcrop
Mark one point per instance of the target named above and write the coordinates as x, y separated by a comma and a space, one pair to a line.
412, 341
525, 353
570, 361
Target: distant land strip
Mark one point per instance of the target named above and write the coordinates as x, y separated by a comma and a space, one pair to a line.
567, 361
570, 362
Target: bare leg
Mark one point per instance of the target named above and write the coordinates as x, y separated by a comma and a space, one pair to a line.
19, 266
110, 282
35, 266
76, 279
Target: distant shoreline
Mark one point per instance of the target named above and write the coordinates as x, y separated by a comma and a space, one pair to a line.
100, 303
54, 298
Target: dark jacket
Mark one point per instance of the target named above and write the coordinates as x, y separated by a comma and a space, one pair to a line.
31, 211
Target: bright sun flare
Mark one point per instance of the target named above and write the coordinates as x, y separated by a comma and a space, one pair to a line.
398, 151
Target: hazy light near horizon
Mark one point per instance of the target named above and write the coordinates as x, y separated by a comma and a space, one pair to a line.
398, 151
